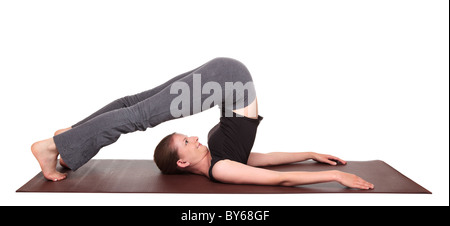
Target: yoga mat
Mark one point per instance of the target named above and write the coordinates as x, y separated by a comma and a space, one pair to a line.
142, 176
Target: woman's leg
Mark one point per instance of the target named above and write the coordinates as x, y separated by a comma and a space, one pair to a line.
81, 143
131, 100
126, 101
123, 102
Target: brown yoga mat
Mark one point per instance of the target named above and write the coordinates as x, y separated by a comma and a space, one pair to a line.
142, 176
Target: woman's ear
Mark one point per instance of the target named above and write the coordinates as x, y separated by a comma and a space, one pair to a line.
182, 164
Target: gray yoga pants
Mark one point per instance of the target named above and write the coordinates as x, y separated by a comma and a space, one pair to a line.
152, 107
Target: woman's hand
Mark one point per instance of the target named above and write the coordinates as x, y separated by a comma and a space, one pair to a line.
329, 159
353, 181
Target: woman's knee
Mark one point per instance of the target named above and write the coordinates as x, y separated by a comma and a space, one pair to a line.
225, 60
125, 101
232, 67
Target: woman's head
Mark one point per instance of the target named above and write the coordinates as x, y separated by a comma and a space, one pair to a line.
166, 156
176, 153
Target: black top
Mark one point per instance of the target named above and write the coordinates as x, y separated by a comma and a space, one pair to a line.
232, 139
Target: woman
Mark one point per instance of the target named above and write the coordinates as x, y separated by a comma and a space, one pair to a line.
222, 81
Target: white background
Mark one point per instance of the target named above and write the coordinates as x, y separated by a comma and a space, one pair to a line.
361, 80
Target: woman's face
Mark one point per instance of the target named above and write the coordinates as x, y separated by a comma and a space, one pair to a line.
189, 149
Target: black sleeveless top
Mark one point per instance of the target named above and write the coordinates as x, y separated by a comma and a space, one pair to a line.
232, 139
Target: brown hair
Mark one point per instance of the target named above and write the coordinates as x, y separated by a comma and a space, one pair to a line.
166, 156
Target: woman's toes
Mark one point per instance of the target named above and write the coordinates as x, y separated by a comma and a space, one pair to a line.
55, 176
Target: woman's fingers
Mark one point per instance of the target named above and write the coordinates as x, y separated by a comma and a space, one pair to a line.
362, 184
328, 159
340, 160
353, 181
333, 160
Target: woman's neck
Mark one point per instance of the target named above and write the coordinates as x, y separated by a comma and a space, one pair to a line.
202, 168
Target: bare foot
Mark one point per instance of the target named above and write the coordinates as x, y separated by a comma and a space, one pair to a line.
46, 154
62, 130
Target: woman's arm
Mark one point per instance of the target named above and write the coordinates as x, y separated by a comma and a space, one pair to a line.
228, 171
279, 158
